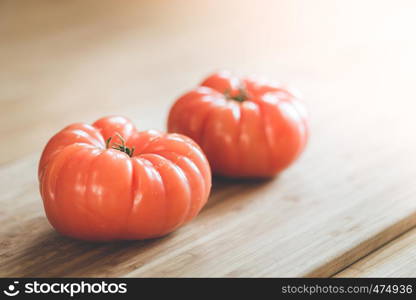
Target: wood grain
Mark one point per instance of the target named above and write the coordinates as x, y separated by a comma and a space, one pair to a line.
396, 259
351, 192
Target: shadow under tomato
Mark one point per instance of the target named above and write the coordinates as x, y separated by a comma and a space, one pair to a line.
221, 180
224, 188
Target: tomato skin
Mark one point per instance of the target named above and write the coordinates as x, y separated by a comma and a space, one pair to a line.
96, 193
247, 128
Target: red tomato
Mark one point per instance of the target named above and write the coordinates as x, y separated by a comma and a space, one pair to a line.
108, 181
246, 127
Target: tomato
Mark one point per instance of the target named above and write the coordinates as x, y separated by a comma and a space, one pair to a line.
246, 127
108, 181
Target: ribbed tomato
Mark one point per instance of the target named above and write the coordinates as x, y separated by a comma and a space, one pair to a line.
108, 181
246, 127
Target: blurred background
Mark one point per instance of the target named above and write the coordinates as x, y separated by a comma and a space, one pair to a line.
351, 192
68, 61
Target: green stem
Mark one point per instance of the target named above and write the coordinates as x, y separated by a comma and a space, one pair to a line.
241, 97
121, 147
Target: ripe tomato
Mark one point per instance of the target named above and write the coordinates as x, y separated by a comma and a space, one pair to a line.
108, 181
246, 127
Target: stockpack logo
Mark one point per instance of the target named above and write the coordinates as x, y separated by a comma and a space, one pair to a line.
12, 290
66, 288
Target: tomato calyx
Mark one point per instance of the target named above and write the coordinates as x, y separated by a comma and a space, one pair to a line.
121, 147
240, 97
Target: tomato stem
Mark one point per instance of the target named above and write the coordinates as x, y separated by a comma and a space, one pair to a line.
240, 97
121, 147
107, 142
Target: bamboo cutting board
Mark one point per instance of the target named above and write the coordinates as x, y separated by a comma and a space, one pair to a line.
350, 193
397, 259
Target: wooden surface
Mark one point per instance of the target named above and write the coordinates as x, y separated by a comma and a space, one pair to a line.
350, 193
397, 259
